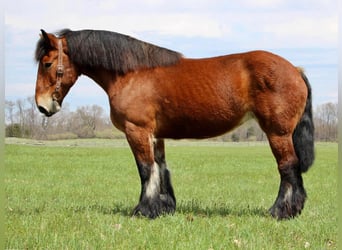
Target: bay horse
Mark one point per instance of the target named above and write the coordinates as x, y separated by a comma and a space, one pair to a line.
155, 93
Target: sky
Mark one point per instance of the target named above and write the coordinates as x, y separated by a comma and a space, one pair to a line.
304, 32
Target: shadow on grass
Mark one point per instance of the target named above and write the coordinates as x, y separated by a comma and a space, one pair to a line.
192, 207
119, 208
196, 208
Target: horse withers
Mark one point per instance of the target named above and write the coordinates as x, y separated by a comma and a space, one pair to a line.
155, 93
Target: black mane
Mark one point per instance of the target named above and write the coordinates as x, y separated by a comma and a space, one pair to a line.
111, 51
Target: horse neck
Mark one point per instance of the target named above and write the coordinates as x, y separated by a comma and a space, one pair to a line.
103, 78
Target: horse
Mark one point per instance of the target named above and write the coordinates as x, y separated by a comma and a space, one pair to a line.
156, 93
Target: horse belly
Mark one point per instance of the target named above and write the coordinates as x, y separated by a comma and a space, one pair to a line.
192, 127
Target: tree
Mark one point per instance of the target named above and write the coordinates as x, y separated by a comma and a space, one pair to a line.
9, 111
31, 115
86, 119
326, 122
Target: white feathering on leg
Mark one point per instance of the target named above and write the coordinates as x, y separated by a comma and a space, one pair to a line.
153, 186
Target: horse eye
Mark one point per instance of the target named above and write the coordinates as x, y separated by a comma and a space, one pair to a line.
47, 65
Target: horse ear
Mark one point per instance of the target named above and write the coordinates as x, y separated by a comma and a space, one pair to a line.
49, 39
44, 35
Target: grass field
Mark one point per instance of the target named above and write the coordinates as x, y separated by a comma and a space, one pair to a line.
79, 195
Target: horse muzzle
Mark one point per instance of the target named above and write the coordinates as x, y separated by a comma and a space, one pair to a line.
48, 107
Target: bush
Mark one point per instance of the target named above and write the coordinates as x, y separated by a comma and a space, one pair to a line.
85, 132
235, 137
15, 130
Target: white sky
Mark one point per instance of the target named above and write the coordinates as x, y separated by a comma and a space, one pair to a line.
305, 32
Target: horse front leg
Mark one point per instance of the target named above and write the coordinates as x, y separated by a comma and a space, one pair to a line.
166, 189
153, 199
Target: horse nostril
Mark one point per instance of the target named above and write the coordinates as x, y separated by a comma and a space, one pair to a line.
44, 111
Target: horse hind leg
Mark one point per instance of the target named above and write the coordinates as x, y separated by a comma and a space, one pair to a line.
291, 195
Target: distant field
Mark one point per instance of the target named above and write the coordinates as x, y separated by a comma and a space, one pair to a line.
79, 194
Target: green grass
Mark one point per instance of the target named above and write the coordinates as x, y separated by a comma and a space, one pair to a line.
79, 195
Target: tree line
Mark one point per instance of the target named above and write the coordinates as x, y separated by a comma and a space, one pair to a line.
23, 120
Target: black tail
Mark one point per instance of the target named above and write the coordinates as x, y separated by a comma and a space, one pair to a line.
303, 136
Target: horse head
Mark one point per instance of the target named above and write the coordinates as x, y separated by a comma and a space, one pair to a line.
56, 73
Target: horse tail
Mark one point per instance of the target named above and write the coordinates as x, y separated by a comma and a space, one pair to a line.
303, 135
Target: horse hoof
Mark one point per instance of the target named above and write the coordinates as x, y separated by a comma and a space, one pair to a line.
152, 209
284, 212
143, 212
